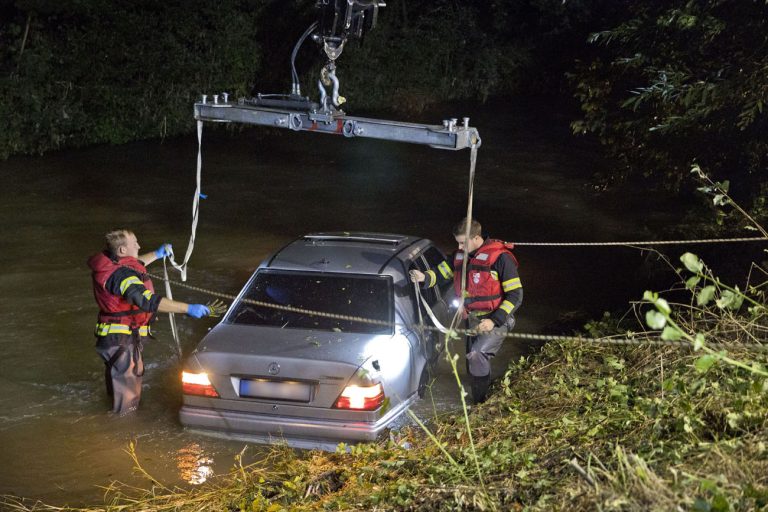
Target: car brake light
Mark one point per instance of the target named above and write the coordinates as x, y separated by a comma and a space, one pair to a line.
197, 384
364, 398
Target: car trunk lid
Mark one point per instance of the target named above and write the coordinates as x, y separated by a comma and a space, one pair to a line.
308, 367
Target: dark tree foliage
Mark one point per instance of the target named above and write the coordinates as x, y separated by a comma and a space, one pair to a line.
430, 51
79, 72
420, 52
90, 71
427, 51
673, 83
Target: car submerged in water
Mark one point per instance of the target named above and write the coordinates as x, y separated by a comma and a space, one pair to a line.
321, 346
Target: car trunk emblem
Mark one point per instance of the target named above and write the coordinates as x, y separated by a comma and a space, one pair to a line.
273, 368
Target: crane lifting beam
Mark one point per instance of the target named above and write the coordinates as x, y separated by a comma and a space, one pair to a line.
449, 135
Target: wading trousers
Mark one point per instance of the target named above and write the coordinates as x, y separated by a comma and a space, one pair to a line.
480, 350
123, 370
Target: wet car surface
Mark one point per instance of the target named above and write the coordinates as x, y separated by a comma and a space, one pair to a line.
321, 346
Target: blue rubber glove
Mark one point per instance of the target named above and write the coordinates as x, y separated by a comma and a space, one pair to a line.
164, 250
198, 310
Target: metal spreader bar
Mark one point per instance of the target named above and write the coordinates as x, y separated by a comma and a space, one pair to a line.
449, 135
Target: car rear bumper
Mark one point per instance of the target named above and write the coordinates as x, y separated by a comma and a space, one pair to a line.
296, 432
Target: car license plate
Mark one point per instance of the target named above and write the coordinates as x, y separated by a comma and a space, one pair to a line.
294, 391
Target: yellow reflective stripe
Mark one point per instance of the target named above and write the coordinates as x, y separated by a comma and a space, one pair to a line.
512, 284
495, 275
432, 278
445, 270
129, 281
147, 294
507, 306
104, 329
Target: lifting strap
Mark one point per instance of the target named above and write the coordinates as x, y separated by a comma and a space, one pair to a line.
190, 247
419, 299
171, 317
421, 302
195, 209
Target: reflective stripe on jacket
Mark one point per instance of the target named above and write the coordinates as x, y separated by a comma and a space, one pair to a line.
105, 329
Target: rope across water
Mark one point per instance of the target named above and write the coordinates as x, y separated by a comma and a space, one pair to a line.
642, 243
456, 332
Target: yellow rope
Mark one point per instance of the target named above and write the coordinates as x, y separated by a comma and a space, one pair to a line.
626, 340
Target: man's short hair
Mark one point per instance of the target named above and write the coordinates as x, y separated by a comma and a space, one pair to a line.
116, 239
475, 229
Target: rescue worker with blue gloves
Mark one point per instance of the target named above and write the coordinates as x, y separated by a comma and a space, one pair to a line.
492, 296
127, 303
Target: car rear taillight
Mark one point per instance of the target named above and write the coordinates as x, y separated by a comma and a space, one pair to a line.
197, 384
363, 398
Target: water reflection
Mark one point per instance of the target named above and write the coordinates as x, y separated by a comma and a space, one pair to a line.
195, 467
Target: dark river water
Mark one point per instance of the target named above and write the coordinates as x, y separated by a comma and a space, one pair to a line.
57, 442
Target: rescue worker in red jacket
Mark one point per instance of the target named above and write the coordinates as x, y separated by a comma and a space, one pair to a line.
492, 296
127, 303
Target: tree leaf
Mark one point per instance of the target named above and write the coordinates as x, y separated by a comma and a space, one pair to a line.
705, 296
671, 333
655, 320
730, 300
705, 362
663, 306
698, 341
697, 170
692, 281
692, 262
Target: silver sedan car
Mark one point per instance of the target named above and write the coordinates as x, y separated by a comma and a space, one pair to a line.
321, 346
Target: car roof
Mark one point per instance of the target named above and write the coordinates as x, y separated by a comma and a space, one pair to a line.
347, 252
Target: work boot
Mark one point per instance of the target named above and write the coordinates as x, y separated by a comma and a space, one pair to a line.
480, 387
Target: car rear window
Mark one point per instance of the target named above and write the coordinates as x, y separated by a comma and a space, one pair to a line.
367, 297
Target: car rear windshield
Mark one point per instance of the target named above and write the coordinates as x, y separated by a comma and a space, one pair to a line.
367, 297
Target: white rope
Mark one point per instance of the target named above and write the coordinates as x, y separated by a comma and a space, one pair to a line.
645, 242
171, 317
182, 268
195, 208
